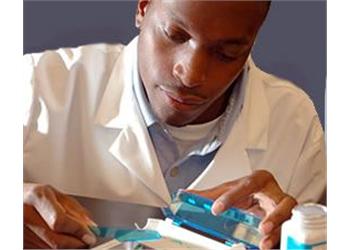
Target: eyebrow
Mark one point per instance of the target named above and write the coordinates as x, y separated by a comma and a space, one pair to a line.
235, 41
230, 41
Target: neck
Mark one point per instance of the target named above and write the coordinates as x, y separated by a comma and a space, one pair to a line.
216, 109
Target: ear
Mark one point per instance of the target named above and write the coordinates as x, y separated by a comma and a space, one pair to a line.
142, 6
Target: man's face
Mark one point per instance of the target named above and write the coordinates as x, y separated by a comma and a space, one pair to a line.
190, 53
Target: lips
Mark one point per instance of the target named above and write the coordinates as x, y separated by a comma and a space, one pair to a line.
181, 102
183, 98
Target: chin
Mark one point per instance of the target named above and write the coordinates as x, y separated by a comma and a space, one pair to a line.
176, 121
174, 118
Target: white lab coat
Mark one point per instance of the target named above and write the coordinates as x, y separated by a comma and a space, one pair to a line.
84, 133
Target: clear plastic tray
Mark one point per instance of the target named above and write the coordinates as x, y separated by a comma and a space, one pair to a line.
232, 226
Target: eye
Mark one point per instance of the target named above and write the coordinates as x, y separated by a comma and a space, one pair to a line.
225, 58
176, 36
228, 56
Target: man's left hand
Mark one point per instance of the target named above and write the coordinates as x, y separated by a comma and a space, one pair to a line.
260, 194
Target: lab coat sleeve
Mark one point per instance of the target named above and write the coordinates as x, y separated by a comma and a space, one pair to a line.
42, 83
309, 180
31, 104
35, 111
35, 119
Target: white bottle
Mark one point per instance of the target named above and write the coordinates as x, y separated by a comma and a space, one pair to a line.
307, 229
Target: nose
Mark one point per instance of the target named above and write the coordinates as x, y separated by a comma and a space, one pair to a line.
192, 67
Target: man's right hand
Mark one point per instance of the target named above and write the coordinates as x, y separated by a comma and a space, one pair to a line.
54, 220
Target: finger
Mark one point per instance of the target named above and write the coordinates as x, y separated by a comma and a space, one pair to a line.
257, 210
58, 219
269, 196
32, 241
74, 208
57, 240
35, 223
245, 203
245, 187
270, 241
212, 193
281, 213
237, 192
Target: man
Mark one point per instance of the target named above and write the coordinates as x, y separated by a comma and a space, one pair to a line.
182, 106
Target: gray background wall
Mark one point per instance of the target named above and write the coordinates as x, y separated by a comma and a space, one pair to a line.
291, 44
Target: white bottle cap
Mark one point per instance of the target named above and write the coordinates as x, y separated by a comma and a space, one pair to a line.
310, 210
310, 215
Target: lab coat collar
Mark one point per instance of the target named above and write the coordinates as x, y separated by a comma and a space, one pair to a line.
118, 110
114, 109
249, 131
256, 108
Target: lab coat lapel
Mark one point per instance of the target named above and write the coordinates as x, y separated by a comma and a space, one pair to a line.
132, 147
249, 132
231, 161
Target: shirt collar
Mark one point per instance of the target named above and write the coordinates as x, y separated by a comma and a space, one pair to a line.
142, 100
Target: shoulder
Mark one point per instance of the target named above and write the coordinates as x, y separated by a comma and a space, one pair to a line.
285, 96
55, 77
51, 71
68, 57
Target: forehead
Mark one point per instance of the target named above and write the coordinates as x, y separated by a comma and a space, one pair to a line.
241, 17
